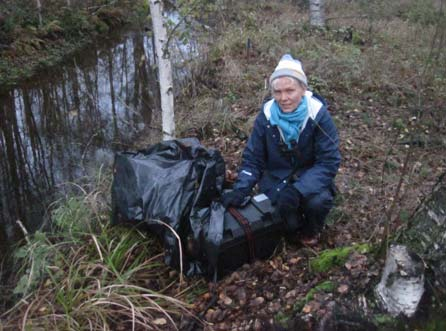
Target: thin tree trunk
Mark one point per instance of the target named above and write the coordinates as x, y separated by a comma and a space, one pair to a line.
164, 69
317, 13
39, 11
112, 94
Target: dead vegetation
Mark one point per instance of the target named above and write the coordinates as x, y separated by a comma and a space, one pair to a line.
384, 81
383, 77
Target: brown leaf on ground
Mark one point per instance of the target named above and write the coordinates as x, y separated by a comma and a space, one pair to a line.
343, 289
311, 307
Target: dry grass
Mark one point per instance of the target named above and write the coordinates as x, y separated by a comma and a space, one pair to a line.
88, 276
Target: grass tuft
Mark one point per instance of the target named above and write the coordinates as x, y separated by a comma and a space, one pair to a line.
86, 274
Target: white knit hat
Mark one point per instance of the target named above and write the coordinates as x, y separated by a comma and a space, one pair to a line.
289, 67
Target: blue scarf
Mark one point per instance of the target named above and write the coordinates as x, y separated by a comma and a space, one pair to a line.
290, 123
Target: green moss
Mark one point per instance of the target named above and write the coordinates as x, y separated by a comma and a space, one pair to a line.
282, 318
330, 258
436, 325
327, 286
335, 257
386, 322
363, 248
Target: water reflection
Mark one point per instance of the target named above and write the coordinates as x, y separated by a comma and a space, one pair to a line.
56, 127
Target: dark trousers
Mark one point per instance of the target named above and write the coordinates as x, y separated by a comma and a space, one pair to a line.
314, 209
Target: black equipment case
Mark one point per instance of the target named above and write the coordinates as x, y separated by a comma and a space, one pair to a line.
178, 183
249, 233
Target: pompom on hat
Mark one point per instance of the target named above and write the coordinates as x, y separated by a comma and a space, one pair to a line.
289, 67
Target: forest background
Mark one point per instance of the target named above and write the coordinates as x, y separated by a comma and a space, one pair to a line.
380, 65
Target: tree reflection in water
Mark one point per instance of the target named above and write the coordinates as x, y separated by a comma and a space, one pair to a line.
57, 127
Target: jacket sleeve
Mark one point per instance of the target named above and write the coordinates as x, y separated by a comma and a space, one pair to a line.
327, 159
253, 158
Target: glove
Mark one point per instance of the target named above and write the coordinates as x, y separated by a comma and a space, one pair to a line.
288, 200
233, 198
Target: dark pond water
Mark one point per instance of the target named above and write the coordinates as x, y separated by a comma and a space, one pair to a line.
60, 126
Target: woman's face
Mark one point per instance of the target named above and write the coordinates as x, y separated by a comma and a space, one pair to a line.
288, 93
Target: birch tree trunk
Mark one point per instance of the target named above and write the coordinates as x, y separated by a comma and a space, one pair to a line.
317, 13
164, 69
39, 11
403, 281
426, 234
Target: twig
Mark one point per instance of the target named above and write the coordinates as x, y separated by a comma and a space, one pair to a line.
395, 198
439, 181
86, 148
75, 185
22, 301
97, 8
183, 18
25, 232
346, 17
25, 316
385, 161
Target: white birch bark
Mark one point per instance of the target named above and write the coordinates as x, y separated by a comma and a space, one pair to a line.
39, 11
317, 13
164, 69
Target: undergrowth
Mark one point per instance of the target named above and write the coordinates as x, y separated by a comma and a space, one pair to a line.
381, 67
85, 274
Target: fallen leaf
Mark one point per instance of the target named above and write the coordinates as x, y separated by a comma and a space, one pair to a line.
311, 307
343, 289
160, 321
307, 309
294, 260
209, 315
257, 301
227, 301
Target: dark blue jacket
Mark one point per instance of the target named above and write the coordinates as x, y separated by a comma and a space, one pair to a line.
317, 157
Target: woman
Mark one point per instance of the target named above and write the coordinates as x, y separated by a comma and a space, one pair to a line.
292, 153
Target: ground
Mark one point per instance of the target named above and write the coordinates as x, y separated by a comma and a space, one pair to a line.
271, 292
390, 162
385, 85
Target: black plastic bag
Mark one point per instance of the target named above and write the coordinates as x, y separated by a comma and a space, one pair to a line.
173, 182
